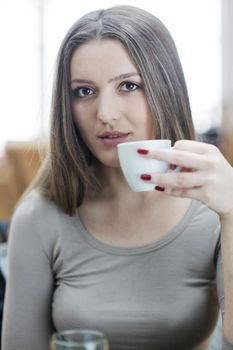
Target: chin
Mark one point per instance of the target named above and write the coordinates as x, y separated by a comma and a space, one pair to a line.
113, 164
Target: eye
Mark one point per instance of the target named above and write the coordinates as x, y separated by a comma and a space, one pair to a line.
82, 92
129, 86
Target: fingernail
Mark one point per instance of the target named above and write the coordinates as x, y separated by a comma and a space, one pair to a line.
146, 177
142, 151
159, 188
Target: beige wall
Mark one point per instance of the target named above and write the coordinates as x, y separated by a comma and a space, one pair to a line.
227, 78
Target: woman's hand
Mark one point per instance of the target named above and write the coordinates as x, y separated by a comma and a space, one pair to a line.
205, 174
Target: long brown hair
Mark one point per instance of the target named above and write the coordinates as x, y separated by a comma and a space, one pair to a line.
68, 172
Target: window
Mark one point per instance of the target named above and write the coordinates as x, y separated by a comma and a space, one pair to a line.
31, 32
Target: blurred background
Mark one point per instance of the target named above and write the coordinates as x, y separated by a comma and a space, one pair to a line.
30, 34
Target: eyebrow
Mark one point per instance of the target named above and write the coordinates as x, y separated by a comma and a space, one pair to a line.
118, 77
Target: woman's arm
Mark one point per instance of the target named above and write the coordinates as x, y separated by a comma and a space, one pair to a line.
27, 311
205, 176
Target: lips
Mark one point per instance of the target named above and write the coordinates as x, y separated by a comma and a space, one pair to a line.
113, 135
113, 138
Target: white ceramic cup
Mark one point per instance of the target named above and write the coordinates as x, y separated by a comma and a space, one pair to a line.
134, 165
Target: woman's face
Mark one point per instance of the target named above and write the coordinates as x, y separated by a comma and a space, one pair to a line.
108, 99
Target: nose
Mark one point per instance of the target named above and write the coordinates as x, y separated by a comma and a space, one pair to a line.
108, 108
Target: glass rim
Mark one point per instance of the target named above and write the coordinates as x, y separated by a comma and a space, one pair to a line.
100, 337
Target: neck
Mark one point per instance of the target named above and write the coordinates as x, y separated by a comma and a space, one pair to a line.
114, 188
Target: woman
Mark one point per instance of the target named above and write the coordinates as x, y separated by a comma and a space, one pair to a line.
87, 252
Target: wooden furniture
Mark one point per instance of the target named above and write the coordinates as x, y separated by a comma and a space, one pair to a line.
17, 169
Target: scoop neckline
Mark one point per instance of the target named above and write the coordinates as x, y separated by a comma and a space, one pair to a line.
171, 235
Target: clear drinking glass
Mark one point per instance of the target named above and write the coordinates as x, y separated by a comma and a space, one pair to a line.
79, 340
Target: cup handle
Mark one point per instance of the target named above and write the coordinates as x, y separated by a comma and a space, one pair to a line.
177, 169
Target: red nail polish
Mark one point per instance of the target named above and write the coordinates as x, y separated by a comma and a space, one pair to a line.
159, 188
146, 177
142, 151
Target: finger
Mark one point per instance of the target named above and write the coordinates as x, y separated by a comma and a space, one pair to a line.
194, 193
194, 146
179, 180
181, 158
